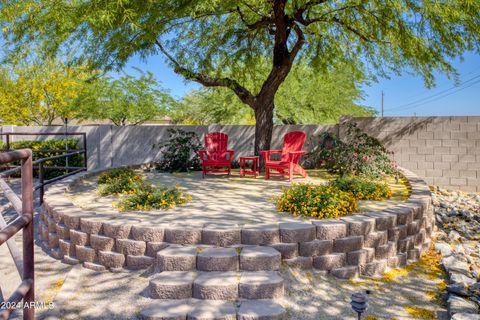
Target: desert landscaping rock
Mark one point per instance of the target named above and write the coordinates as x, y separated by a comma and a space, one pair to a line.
261, 310
296, 232
218, 259
260, 234
177, 259
466, 316
216, 286
221, 235
172, 285
257, 258
260, 285
458, 304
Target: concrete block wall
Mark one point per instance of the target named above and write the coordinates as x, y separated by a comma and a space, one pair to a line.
445, 151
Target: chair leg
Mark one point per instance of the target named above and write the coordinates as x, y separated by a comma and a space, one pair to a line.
267, 173
203, 172
290, 172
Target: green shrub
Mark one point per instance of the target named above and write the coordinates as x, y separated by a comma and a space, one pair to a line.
321, 201
53, 144
180, 152
363, 188
118, 181
116, 173
148, 197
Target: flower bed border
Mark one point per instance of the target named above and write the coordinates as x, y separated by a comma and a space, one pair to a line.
360, 244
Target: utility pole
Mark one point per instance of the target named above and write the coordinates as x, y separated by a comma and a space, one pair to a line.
382, 103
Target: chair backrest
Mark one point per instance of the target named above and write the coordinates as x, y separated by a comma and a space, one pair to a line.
293, 141
216, 145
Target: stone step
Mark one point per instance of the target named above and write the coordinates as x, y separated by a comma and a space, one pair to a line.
213, 310
260, 285
191, 258
216, 285
218, 259
256, 258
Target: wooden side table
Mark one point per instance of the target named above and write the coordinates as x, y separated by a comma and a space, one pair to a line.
256, 165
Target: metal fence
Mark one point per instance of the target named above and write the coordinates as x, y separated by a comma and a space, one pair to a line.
24, 208
40, 163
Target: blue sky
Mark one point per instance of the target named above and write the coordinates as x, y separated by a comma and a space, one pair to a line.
404, 96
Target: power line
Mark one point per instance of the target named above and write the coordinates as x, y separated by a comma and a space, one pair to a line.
456, 88
436, 97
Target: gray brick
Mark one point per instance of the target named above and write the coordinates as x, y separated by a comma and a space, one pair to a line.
362, 256
383, 220
221, 235
374, 268
347, 272
330, 229
376, 239
90, 226
288, 250
296, 232
148, 234
85, 254
130, 247
348, 244
329, 261
359, 225
386, 251
315, 248
111, 259
260, 234
154, 247
183, 235
101, 242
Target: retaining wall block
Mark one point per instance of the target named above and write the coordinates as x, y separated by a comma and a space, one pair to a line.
102, 243
330, 229
130, 247
315, 248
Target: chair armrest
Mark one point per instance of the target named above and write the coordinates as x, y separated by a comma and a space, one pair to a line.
202, 155
230, 154
266, 153
294, 153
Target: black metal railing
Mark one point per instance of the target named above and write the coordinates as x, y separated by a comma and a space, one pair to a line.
39, 164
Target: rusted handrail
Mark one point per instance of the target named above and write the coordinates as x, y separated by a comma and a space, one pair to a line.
26, 290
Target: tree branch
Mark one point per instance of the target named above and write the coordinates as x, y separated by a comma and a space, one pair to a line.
353, 30
244, 95
264, 21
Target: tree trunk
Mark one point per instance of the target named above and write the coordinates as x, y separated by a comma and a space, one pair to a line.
263, 126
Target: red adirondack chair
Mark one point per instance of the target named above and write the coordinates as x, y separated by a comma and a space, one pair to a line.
291, 152
216, 154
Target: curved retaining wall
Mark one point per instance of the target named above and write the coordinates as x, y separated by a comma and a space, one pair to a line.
361, 244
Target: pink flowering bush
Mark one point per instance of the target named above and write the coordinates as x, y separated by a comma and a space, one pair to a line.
356, 154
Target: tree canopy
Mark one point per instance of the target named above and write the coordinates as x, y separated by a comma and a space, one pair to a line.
41, 91
306, 97
221, 43
127, 100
